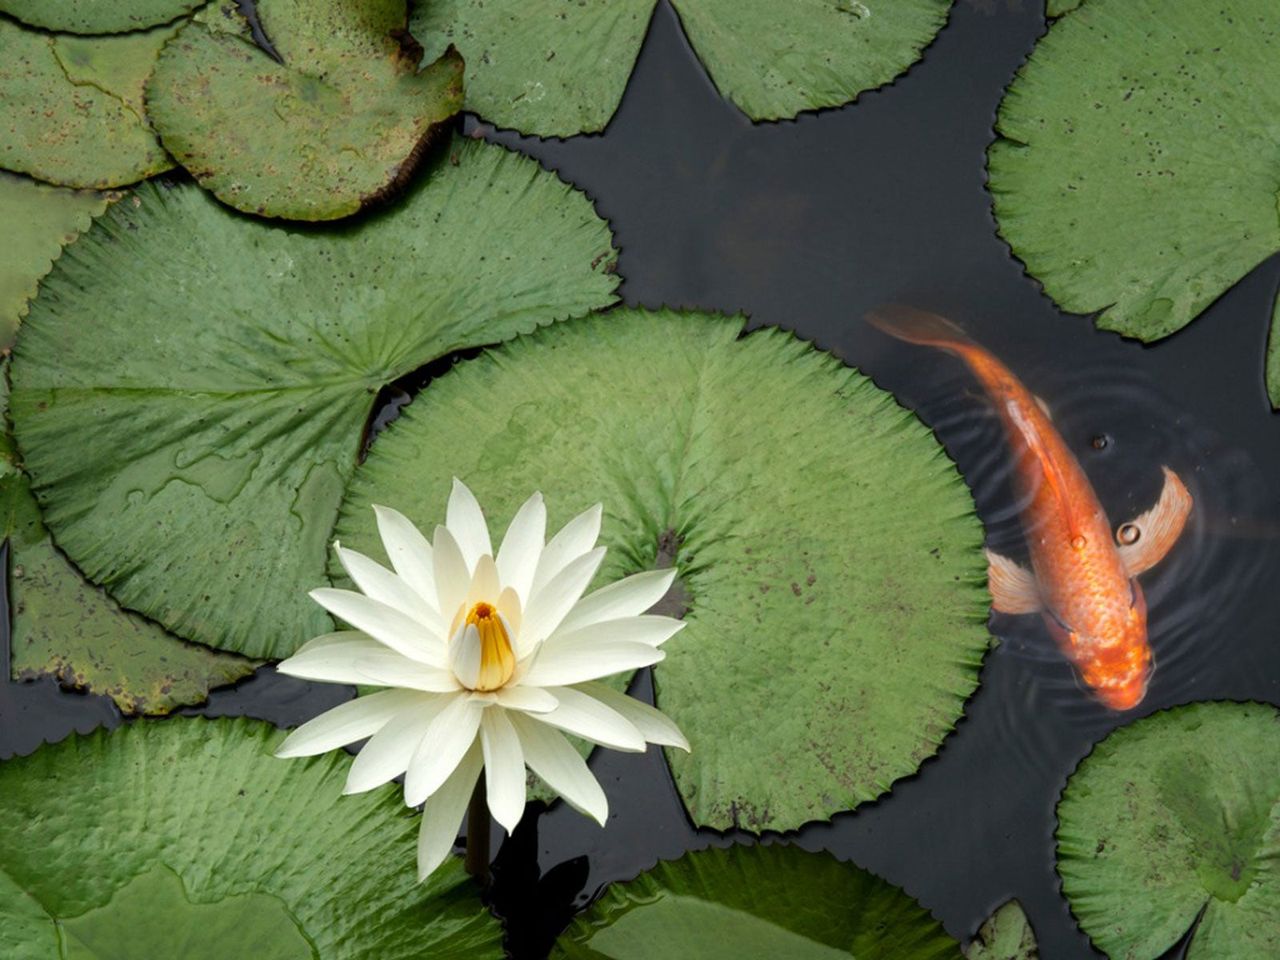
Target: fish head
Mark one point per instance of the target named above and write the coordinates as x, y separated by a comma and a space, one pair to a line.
1113, 657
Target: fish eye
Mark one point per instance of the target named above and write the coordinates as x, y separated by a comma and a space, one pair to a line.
1128, 534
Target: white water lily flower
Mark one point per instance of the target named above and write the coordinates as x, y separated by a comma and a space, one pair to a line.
488, 660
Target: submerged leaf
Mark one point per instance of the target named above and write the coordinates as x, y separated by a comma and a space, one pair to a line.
39, 221
555, 69
830, 560
192, 386
1137, 170
73, 106
756, 903
97, 16
187, 838
1005, 935
338, 118
1172, 822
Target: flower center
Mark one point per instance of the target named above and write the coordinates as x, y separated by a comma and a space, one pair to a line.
497, 659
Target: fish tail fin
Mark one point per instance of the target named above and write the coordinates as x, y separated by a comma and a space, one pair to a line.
918, 326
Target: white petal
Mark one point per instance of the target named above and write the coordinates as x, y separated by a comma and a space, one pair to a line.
586, 717
466, 522
651, 629
442, 813
504, 778
567, 663
453, 576
549, 604
331, 658
376, 581
574, 539
655, 725
387, 668
385, 624
550, 756
628, 597
446, 742
522, 546
388, 752
465, 655
526, 699
408, 550
484, 583
349, 722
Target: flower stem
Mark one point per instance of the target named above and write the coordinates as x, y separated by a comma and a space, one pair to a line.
478, 834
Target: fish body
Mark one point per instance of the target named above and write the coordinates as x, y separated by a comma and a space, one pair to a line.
1082, 581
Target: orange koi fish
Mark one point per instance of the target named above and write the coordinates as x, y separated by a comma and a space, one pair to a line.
1081, 579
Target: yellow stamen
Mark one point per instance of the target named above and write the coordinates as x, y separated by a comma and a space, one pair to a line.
497, 659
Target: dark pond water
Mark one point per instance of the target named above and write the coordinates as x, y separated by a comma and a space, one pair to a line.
806, 225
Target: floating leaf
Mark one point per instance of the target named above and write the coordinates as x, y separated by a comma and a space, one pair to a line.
1056, 8
830, 558
555, 69
97, 16
65, 627
1138, 167
39, 221
1005, 935
73, 106
1174, 818
192, 386
756, 903
339, 120
187, 838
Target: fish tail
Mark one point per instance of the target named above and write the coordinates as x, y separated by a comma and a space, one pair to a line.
919, 327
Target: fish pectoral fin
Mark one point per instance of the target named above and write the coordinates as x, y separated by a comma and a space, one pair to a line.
1144, 541
1013, 587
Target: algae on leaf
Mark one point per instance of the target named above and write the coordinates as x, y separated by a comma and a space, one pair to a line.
39, 221
830, 559
337, 119
192, 386
187, 838
756, 903
1172, 822
97, 16
556, 69
73, 106
1136, 175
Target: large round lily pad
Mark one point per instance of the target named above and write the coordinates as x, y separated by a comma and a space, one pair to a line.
555, 69
97, 16
191, 386
1137, 169
73, 106
337, 121
187, 838
39, 221
830, 557
1172, 817
755, 903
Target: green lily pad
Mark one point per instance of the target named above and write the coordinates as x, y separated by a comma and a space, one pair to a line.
1056, 8
336, 123
97, 16
187, 838
1005, 935
1174, 818
830, 557
192, 386
755, 903
65, 627
74, 106
1136, 175
39, 220
556, 69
